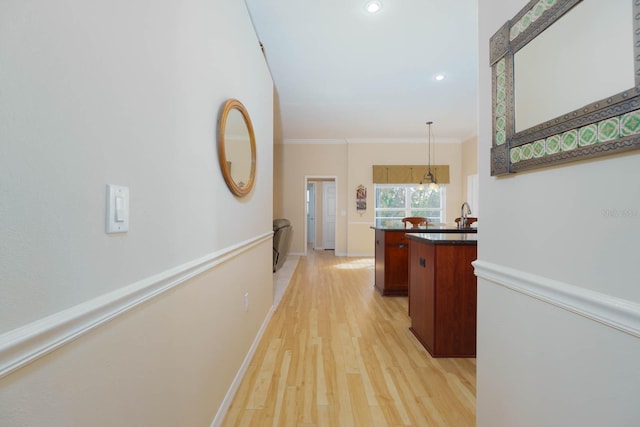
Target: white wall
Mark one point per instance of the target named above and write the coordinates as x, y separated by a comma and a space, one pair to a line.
540, 362
128, 93
469, 170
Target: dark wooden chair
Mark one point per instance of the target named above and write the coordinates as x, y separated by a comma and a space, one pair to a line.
470, 220
415, 221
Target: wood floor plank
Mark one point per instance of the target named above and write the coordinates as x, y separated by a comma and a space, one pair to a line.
369, 390
336, 353
282, 388
322, 381
262, 384
358, 401
392, 387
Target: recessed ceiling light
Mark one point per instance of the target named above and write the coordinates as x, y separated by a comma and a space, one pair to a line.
373, 6
440, 77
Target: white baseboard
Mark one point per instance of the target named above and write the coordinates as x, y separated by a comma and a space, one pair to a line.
616, 313
27, 343
237, 380
355, 254
337, 253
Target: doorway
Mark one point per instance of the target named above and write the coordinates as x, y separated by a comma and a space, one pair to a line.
320, 227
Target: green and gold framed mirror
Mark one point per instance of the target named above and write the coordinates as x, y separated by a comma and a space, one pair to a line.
565, 83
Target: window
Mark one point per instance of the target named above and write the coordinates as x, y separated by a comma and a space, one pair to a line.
396, 201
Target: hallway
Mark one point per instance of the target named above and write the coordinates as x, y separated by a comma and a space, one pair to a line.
336, 353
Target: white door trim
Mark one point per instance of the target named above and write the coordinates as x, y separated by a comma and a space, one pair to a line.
308, 178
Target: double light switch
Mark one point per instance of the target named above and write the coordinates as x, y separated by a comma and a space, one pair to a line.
117, 209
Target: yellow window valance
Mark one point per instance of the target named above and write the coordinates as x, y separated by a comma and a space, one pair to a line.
408, 174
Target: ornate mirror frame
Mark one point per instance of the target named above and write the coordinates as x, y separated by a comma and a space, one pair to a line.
240, 189
615, 120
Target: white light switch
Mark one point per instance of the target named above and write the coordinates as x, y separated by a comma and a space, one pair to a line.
117, 209
120, 209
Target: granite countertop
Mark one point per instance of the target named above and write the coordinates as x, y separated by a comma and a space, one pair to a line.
446, 238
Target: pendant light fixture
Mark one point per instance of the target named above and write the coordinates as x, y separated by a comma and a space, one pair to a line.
429, 177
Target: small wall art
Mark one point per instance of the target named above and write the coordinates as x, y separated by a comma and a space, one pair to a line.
361, 199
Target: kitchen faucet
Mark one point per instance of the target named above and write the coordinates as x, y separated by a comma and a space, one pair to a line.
464, 214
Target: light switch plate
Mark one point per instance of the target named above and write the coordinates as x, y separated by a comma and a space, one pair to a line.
117, 209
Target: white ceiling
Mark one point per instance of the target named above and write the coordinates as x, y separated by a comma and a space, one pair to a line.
342, 73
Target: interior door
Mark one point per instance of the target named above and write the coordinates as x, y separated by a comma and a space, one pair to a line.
311, 213
329, 215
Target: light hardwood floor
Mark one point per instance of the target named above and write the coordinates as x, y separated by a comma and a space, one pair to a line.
336, 353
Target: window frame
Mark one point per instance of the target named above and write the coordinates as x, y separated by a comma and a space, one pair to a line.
407, 210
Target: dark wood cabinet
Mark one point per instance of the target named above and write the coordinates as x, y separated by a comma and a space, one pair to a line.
392, 257
442, 295
392, 260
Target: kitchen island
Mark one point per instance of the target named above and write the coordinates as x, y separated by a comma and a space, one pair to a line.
392, 255
442, 292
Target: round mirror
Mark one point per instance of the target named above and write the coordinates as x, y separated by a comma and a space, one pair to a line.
236, 147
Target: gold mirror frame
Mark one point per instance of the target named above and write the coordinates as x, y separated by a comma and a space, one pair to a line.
237, 188
543, 144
